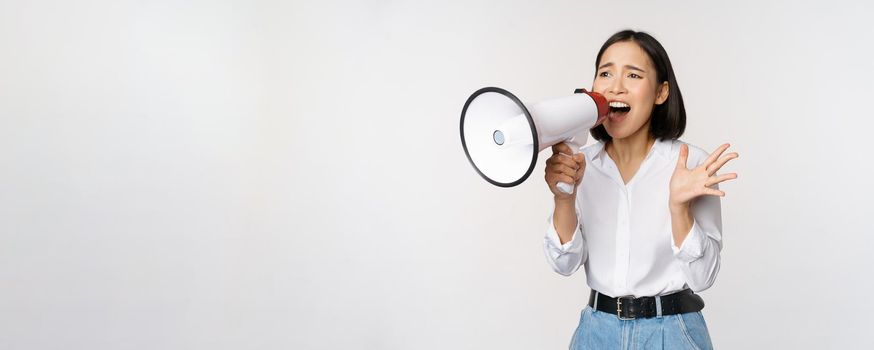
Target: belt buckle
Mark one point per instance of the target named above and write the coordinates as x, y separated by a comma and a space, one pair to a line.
619, 310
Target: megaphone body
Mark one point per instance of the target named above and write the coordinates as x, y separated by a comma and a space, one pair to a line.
502, 137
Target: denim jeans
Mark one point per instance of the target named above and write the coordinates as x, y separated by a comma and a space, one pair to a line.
600, 330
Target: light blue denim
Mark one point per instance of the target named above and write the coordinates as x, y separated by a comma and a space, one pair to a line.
601, 330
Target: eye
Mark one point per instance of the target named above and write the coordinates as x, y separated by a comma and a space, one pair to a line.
634, 76
604, 74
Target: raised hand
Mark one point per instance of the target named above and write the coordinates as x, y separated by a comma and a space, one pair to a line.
688, 184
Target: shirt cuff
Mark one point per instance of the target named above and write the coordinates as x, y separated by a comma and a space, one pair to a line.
693, 246
554, 242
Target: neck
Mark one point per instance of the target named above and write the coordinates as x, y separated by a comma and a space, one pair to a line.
632, 148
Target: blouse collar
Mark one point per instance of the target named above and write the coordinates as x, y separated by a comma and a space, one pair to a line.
662, 148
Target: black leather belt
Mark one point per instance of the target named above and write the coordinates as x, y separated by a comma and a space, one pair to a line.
629, 308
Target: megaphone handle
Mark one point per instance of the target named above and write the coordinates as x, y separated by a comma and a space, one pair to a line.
565, 187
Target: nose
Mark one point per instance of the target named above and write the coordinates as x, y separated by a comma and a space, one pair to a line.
616, 87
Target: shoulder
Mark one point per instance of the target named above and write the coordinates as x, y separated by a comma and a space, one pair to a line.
696, 154
592, 150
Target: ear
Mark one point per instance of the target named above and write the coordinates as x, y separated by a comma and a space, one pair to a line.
662, 93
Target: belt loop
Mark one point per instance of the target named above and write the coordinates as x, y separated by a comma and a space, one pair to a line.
596, 301
658, 299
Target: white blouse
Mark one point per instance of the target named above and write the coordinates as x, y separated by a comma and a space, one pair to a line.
624, 235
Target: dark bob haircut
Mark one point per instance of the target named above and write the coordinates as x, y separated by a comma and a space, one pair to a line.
668, 120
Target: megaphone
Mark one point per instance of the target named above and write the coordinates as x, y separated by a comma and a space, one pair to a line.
502, 137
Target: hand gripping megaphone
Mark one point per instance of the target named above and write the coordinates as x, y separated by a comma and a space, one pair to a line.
501, 137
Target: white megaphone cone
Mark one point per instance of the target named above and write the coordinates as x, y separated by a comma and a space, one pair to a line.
501, 137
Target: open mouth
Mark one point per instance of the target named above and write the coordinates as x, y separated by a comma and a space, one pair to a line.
618, 109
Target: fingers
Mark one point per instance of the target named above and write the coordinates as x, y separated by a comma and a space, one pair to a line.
561, 164
578, 177
581, 169
721, 178
580, 158
562, 147
552, 179
714, 192
561, 159
564, 178
715, 155
713, 168
564, 168
684, 156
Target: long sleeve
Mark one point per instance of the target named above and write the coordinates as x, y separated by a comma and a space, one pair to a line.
699, 253
568, 257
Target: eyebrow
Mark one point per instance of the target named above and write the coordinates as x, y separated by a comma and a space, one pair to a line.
610, 64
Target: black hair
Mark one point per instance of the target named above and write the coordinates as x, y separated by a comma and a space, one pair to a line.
668, 120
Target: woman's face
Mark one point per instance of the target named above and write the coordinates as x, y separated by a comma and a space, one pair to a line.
627, 78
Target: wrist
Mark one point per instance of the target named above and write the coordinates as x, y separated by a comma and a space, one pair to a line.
678, 208
564, 200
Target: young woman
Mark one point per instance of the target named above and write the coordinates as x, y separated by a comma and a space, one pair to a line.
645, 218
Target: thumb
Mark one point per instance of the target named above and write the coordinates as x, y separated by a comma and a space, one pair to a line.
561, 147
684, 156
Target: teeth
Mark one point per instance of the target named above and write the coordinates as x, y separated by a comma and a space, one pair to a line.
617, 104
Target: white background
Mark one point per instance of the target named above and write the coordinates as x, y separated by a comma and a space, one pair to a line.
289, 175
